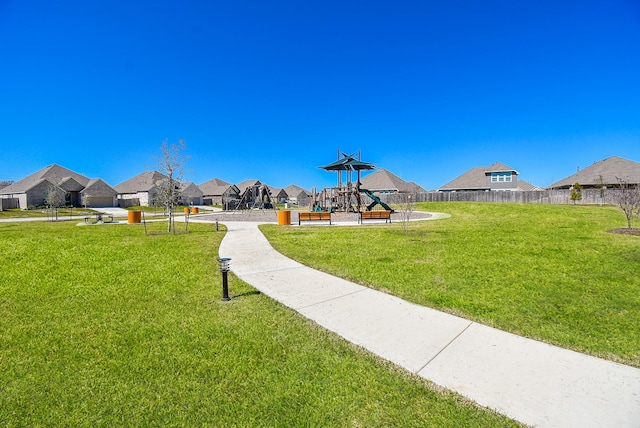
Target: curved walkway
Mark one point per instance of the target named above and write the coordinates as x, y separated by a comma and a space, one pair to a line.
532, 382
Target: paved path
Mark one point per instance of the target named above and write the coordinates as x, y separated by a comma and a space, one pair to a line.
529, 381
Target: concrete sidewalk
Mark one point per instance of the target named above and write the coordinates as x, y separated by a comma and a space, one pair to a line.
529, 381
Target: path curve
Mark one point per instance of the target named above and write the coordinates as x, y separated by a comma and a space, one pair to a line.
530, 381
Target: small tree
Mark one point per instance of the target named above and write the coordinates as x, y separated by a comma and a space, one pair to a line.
576, 192
407, 202
54, 199
627, 198
602, 187
171, 164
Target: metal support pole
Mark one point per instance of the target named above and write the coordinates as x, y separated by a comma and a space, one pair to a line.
225, 287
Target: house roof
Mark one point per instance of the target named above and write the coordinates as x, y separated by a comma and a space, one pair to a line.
53, 173
604, 172
98, 185
248, 183
526, 186
295, 190
190, 189
476, 178
140, 183
386, 180
214, 187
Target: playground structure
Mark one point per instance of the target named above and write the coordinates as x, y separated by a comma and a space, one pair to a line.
257, 196
347, 196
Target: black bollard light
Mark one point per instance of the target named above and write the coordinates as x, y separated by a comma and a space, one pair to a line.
224, 268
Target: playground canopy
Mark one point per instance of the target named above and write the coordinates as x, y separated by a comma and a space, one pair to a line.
348, 163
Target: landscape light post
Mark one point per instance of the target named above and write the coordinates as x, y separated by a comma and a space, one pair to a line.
224, 268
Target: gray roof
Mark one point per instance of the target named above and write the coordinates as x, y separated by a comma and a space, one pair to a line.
214, 187
98, 186
295, 190
140, 183
526, 186
53, 173
476, 178
385, 180
606, 171
246, 184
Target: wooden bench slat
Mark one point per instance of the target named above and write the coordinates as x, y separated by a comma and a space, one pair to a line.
314, 216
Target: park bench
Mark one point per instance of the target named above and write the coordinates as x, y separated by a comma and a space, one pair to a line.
376, 215
314, 216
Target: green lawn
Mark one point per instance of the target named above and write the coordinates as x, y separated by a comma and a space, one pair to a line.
106, 326
544, 271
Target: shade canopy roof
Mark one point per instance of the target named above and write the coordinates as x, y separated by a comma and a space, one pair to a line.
348, 163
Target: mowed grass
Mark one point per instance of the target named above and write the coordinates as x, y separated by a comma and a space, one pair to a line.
548, 272
106, 326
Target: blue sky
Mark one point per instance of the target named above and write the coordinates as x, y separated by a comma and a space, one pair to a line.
270, 90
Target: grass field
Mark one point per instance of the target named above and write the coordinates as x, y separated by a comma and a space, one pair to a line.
106, 326
548, 272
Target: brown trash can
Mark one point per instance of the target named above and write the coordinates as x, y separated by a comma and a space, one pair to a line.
284, 218
195, 210
186, 210
134, 217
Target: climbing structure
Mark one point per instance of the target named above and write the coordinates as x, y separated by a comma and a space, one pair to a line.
347, 195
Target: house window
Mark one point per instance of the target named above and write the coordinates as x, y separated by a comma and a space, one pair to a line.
501, 177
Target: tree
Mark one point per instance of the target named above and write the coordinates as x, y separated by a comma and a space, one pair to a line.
576, 192
602, 187
627, 198
407, 202
171, 164
54, 199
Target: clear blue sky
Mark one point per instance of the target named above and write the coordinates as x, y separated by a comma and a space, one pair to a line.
270, 90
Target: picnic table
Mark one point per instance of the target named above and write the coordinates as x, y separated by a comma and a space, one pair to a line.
98, 217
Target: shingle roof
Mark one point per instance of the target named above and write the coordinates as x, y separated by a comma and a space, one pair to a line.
53, 173
603, 172
476, 178
247, 183
140, 183
295, 190
385, 180
214, 187
526, 186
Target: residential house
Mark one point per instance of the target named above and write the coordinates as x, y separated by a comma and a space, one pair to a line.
279, 194
32, 190
297, 195
218, 192
140, 190
190, 194
382, 182
98, 193
601, 174
497, 177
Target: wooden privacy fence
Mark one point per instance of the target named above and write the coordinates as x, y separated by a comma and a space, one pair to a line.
589, 196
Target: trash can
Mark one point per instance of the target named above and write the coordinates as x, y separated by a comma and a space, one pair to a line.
284, 218
186, 210
195, 210
134, 216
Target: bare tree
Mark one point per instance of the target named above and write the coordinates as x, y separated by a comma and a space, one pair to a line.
627, 198
171, 163
407, 202
602, 187
54, 199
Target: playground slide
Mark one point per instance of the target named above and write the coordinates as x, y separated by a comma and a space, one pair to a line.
376, 200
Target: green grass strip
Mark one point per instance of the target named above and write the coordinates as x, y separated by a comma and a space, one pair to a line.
548, 272
106, 326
